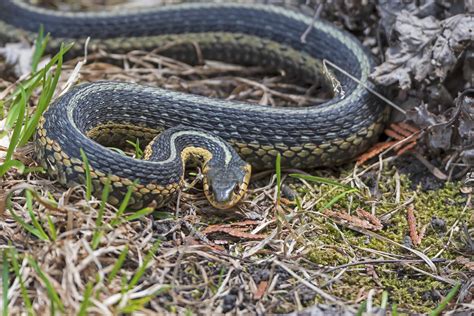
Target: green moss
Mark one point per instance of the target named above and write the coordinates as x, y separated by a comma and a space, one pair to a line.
328, 256
409, 289
409, 293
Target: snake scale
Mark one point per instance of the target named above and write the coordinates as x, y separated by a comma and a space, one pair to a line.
229, 138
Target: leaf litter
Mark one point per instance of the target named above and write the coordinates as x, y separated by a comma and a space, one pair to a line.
430, 46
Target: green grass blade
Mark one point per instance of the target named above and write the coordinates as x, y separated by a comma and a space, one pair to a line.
124, 204
136, 304
49, 86
24, 292
394, 309
278, 175
51, 228
139, 214
5, 282
319, 180
54, 83
23, 125
27, 87
32, 83
100, 216
86, 300
53, 295
123, 285
30, 124
12, 164
17, 118
444, 303
52, 199
13, 114
27, 170
338, 197
34, 220
137, 149
40, 46
31, 229
361, 309
18, 126
139, 303
35, 79
383, 303
87, 169
118, 264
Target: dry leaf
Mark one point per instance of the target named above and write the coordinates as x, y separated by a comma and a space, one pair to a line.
233, 231
371, 218
414, 236
411, 57
425, 48
374, 151
353, 220
457, 33
262, 287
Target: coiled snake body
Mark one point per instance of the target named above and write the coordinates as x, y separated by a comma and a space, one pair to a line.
323, 135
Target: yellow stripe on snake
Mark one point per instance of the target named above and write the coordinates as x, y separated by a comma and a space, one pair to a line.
227, 137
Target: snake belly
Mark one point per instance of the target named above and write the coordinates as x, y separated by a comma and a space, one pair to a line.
324, 135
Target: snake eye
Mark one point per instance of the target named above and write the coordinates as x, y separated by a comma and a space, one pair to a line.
237, 190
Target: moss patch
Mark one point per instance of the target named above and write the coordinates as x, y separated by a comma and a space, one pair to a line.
441, 212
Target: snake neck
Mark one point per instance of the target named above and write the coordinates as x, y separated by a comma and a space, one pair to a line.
186, 143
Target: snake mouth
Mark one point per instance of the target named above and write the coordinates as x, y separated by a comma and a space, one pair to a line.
224, 187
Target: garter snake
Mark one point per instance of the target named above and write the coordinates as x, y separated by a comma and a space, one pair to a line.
111, 112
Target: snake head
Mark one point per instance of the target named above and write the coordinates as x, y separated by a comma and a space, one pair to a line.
224, 186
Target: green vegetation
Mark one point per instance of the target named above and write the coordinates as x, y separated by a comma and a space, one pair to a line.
138, 152
55, 301
444, 303
336, 245
20, 123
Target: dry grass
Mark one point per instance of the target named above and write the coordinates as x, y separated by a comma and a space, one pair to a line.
292, 256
